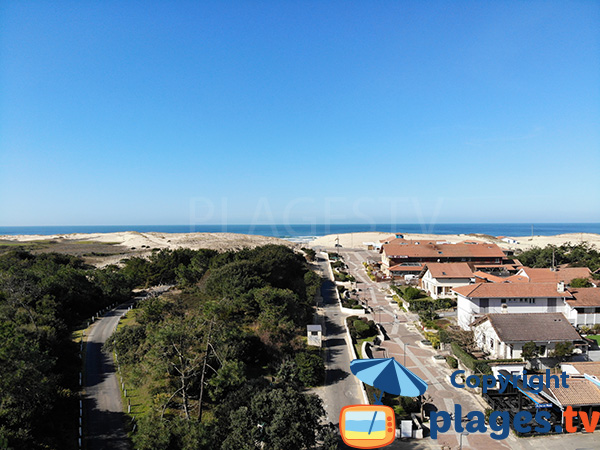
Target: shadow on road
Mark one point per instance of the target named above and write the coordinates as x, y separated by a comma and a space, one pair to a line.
99, 364
333, 375
104, 429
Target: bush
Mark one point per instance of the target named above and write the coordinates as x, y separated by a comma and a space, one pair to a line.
470, 362
433, 338
452, 362
430, 304
580, 283
310, 253
311, 370
364, 329
338, 264
360, 328
444, 336
411, 293
409, 404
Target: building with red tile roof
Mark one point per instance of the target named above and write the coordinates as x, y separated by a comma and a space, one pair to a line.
440, 278
399, 251
584, 306
546, 275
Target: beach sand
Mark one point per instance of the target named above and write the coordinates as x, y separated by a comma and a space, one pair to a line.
133, 243
357, 240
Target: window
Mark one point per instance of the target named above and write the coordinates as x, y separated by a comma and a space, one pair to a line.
503, 301
542, 350
491, 344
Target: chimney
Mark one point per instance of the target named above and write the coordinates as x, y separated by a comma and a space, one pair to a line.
561, 286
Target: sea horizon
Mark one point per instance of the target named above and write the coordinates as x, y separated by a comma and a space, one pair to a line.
291, 231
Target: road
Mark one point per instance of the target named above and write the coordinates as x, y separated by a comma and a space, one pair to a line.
341, 386
104, 417
103, 409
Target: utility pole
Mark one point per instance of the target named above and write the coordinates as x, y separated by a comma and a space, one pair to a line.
531, 233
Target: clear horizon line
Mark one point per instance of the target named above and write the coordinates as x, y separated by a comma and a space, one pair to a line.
298, 223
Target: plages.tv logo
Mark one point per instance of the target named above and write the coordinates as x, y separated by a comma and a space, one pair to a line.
374, 426
500, 421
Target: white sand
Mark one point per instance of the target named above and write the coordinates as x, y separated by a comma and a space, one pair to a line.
218, 241
356, 240
134, 239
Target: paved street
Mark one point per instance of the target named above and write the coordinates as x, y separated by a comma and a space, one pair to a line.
341, 387
404, 345
104, 417
103, 408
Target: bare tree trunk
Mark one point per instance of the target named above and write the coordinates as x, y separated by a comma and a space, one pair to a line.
203, 373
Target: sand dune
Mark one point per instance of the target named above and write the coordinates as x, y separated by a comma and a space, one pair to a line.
134, 243
356, 240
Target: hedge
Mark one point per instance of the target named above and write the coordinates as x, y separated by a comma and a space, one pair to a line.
470, 362
506, 360
360, 327
427, 304
452, 362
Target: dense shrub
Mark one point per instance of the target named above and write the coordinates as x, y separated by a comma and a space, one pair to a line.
452, 362
430, 304
311, 369
470, 362
433, 338
361, 328
444, 336
411, 293
580, 283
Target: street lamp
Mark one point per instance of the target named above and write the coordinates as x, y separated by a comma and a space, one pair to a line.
464, 433
404, 344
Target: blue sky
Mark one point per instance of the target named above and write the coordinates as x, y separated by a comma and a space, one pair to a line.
299, 112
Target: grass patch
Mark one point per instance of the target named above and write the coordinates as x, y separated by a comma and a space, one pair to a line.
127, 319
359, 343
26, 245
138, 396
594, 337
138, 392
96, 242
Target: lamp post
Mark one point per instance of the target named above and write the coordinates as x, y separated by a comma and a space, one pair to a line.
464, 433
404, 344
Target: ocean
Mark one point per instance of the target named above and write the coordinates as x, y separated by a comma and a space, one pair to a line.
302, 232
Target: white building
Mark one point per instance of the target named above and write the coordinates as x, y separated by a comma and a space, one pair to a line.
476, 300
584, 307
502, 336
440, 278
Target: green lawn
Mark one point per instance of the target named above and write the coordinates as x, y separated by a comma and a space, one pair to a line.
359, 343
595, 337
